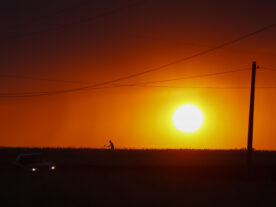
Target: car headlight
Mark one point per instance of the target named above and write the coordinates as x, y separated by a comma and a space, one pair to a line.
34, 169
53, 167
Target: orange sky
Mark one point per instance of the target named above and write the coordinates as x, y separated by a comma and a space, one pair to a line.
131, 41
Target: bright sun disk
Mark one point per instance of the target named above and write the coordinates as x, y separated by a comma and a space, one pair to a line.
188, 118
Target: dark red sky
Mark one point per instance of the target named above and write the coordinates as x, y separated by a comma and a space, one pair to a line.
95, 41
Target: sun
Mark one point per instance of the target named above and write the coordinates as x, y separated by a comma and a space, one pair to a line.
188, 118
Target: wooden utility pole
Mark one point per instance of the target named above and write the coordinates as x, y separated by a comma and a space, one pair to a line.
251, 117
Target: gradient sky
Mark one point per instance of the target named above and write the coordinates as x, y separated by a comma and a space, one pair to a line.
96, 41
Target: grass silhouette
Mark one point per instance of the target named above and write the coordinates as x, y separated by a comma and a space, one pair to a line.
97, 177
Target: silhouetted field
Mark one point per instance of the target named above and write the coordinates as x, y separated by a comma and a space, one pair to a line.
86, 177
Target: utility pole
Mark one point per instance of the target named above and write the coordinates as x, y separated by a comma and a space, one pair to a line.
251, 117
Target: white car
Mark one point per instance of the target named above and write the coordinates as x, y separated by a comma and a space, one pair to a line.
33, 163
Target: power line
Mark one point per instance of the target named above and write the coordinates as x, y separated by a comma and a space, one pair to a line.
173, 43
43, 79
56, 13
150, 82
160, 67
272, 69
196, 76
24, 95
144, 84
175, 87
125, 85
97, 16
199, 87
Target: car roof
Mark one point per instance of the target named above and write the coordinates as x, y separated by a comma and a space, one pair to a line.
27, 155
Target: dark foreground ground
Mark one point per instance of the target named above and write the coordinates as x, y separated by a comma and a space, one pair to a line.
141, 178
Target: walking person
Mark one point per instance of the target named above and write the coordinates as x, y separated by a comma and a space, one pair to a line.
111, 145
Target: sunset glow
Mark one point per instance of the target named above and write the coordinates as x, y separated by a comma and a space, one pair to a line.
80, 77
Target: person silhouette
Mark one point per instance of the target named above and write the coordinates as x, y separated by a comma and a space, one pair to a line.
111, 145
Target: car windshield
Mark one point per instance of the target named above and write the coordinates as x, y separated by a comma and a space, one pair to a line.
29, 159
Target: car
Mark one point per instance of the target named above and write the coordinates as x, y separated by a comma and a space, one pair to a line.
33, 163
